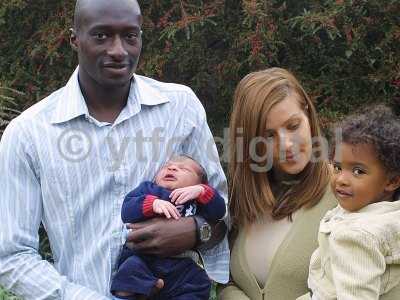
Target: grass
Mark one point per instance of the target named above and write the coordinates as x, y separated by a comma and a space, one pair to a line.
45, 252
4, 295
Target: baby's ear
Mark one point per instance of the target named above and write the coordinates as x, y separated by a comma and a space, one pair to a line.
393, 184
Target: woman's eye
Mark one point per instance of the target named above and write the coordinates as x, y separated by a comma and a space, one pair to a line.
269, 134
293, 126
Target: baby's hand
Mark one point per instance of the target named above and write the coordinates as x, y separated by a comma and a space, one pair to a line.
165, 208
183, 195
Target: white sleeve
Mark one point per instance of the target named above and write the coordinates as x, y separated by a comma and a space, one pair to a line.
201, 146
357, 265
22, 269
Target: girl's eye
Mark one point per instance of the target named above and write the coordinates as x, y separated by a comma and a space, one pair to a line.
358, 171
336, 168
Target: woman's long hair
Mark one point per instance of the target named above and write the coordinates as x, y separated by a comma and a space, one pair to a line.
251, 196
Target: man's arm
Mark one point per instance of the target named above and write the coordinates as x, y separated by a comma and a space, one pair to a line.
22, 269
201, 146
162, 237
158, 237
170, 237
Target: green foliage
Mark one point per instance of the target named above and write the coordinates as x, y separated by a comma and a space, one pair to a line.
346, 52
4, 295
45, 252
8, 106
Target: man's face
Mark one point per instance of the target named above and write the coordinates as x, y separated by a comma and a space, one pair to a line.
108, 42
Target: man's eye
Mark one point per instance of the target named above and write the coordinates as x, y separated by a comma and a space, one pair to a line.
132, 35
100, 36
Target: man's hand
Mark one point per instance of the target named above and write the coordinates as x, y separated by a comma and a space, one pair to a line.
185, 194
162, 237
166, 208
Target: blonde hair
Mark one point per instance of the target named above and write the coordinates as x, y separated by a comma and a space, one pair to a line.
251, 195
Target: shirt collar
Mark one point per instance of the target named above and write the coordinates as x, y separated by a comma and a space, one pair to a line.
145, 92
72, 104
338, 214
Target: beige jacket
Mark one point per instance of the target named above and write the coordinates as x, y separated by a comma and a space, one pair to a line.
358, 255
287, 276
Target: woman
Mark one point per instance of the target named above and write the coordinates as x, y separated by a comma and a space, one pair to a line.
279, 184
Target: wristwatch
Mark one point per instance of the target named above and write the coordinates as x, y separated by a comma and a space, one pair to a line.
203, 230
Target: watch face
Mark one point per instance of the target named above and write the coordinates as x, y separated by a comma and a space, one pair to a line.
205, 232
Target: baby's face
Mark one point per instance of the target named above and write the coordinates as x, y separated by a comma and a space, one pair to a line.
179, 172
359, 178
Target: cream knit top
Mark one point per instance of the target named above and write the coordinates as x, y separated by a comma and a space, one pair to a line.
262, 241
264, 237
359, 253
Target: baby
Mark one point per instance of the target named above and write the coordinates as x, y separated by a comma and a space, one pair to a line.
359, 242
179, 190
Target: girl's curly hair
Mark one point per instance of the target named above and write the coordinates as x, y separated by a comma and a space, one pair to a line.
377, 126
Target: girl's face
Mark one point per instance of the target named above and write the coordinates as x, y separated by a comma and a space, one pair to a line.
288, 128
359, 178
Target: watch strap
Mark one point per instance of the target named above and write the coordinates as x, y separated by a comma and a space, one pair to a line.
200, 221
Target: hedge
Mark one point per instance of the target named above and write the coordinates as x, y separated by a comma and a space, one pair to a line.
346, 52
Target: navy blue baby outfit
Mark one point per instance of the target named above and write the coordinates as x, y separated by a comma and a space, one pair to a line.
183, 278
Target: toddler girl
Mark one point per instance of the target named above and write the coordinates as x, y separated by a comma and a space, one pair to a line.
359, 240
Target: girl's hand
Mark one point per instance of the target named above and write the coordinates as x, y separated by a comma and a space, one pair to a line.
183, 195
166, 208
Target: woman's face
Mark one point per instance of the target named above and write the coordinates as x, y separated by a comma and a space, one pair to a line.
289, 128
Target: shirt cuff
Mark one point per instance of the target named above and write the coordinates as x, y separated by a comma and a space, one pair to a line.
148, 205
206, 195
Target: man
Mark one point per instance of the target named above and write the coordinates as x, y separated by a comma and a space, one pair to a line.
69, 160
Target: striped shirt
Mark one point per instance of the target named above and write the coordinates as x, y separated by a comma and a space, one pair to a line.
71, 172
